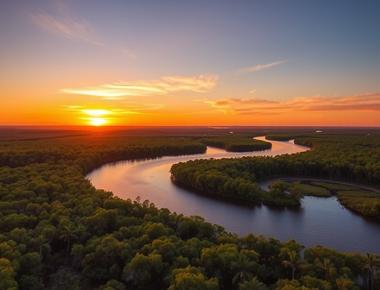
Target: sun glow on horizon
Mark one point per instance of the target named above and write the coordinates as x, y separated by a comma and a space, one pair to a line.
97, 121
96, 117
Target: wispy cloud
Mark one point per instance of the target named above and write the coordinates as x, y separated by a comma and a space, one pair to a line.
97, 116
96, 112
362, 102
259, 67
129, 53
165, 85
61, 22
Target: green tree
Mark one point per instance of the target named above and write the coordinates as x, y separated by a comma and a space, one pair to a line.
143, 270
191, 278
244, 269
343, 283
291, 262
7, 275
253, 284
371, 264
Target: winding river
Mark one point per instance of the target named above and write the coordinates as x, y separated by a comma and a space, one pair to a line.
319, 221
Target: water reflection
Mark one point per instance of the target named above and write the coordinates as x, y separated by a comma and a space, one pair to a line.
319, 221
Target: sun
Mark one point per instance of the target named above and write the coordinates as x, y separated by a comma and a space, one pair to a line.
97, 121
96, 117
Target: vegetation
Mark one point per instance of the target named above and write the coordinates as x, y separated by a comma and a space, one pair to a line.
362, 202
332, 186
302, 188
230, 181
341, 157
59, 232
308, 189
280, 137
239, 143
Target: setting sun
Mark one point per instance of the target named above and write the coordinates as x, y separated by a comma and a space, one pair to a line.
97, 121
96, 117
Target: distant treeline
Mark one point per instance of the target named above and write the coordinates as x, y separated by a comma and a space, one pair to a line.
239, 143
280, 137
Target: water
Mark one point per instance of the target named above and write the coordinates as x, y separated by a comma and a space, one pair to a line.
319, 221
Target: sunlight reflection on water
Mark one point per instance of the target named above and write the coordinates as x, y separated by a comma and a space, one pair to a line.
319, 221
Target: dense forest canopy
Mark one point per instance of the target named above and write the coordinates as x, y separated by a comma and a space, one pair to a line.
58, 232
236, 143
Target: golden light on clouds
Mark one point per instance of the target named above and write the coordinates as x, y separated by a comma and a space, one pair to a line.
369, 102
97, 116
162, 86
96, 112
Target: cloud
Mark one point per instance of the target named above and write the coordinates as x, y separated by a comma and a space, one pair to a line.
100, 112
362, 102
105, 115
165, 85
259, 67
63, 24
129, 54
100, 116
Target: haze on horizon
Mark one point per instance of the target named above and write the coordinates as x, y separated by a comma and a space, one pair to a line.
190, 62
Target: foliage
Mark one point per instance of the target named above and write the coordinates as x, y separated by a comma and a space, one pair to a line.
58, 232
365, 203
340, 157
236, 143
308, 189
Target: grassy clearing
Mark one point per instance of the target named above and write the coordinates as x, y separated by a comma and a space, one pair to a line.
366, 203
361, 201
307, 189
333, 186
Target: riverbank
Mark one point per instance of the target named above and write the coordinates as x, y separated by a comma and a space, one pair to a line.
361, 199
317, 221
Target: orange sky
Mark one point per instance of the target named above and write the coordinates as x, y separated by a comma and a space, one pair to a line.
63, 64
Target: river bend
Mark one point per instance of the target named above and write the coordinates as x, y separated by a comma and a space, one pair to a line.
319, 220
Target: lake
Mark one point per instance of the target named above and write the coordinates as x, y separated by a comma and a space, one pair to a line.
319, 221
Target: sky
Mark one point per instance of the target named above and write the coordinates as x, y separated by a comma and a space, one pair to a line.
174, 62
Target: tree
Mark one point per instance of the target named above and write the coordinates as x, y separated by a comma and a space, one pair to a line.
327, 267
371, 263
7, 275
143, 270
253, 284
343, 283
113, 285
68, 233
245, 269
64, 279
291, 262
191, 278
219, 261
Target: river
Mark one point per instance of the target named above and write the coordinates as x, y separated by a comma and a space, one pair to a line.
319, 221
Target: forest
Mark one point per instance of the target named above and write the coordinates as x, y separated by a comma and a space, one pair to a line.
354, 158
58, 232
236, 143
